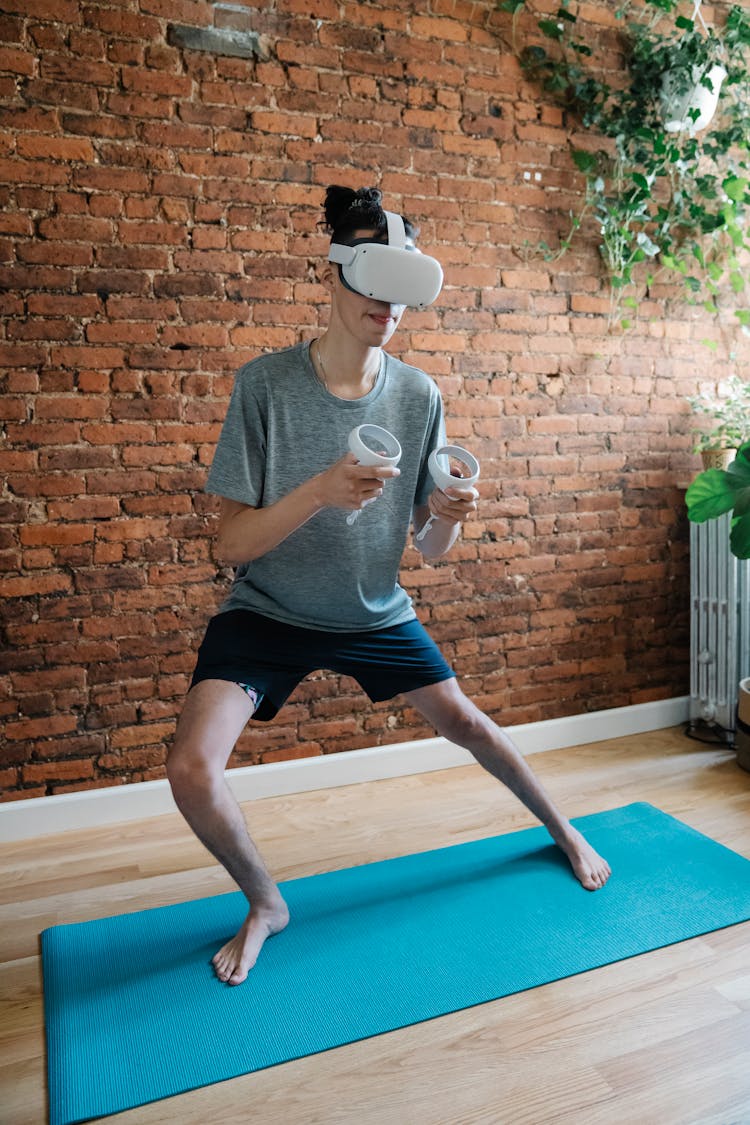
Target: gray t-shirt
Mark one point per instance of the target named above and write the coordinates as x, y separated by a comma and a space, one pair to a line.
283, 427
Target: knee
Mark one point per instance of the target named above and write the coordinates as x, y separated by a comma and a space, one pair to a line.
463, 723
189, 772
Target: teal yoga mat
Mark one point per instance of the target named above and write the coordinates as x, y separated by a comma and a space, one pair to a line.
134, 1013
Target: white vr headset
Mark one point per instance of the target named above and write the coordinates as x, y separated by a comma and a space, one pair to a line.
389, 271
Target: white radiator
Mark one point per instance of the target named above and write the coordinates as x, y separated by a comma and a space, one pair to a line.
719, 624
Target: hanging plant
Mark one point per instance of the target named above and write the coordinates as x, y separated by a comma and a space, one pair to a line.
671, 197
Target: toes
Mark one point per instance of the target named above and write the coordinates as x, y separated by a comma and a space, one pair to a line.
593, 879
597, 877
223, 965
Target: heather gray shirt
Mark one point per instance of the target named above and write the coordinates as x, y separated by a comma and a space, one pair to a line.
283, 427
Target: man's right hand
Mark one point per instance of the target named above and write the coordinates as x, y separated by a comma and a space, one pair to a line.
348, 484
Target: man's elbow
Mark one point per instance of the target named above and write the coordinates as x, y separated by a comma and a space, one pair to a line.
230, 553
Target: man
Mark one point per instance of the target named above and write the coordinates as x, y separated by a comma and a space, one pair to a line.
312, 590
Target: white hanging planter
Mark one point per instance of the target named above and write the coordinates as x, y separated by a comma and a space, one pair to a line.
676, 107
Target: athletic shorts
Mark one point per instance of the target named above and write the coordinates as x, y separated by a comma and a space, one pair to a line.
273, 657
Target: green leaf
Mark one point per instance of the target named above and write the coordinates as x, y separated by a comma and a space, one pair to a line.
533, 57
551, 29
735, 187
742, 504
584, 161
511, 5
710, 495
684, 23
739, 538
740, 467
641, 181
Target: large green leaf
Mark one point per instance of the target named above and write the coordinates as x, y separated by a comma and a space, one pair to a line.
739, 539
740, 467
717, 491
710, 495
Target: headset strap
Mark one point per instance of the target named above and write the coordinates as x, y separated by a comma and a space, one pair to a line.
342, 255
396, 230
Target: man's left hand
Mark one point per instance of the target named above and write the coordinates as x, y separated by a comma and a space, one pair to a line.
455, 505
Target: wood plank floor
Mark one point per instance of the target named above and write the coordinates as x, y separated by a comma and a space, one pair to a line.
662, 1039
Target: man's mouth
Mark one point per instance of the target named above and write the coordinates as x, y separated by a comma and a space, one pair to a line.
382, 318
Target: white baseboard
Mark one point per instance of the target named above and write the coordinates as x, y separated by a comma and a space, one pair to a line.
96, 808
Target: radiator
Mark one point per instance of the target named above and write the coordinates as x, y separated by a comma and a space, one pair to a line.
719, 624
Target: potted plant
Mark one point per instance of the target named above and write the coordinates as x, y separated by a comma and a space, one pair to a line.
693, 70
676, 200
729, 411
716, 491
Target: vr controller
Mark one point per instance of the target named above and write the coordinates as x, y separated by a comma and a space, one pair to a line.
389, 271
463, 473
372, 445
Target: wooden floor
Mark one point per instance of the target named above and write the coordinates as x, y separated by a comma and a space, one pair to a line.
661, 1039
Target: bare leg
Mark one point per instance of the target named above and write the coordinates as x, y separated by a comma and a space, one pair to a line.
456, 718
212, 720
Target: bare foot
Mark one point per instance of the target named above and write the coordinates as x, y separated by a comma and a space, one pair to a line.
589, 868
235, 959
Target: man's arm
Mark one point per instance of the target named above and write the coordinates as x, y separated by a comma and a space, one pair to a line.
246, 533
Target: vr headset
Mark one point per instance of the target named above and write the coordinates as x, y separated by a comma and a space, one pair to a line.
389, 271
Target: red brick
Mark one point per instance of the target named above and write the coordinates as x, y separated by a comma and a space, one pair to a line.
63, 770
16, 61
144, 734
46, 727
50, 535
55, 148
28, 587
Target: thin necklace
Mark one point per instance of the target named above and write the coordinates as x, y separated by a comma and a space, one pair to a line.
373, 377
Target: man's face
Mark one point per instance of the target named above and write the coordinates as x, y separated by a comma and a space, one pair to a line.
372, 322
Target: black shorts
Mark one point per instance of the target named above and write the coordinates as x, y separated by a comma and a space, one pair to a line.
273, 657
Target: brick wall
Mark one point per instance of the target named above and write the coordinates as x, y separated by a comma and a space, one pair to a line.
159, 226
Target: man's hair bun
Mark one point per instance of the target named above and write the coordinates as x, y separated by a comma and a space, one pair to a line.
347, 210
